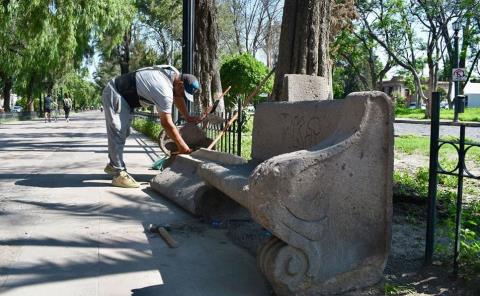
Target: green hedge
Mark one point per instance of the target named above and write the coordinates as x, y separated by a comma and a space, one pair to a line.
147, 127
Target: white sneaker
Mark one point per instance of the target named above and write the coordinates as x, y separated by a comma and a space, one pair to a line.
125, 180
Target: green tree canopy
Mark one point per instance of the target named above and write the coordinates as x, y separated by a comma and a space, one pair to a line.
47, 39
243, 73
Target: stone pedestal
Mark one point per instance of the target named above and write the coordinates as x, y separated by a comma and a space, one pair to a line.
305, 88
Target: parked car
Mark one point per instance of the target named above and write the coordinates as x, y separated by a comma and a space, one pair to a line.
250, 109
444, 105
17, 109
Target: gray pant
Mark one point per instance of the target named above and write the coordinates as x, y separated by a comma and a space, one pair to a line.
118, 116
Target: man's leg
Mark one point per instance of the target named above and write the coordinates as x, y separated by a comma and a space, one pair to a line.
118, 119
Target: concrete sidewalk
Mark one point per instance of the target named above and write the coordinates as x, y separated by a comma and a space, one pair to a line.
65, 231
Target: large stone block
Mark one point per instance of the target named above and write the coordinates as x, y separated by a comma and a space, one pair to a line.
181, 183
323, 188
298, 87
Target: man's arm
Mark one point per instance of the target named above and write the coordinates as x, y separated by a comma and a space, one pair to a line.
182, 108
172, 131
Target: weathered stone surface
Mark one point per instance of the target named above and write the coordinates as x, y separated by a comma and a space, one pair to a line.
181, 184
324, 190
288, 127
218, 157
297, 87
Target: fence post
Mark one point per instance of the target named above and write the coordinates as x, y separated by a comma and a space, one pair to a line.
458, 216
432, 178
239, 128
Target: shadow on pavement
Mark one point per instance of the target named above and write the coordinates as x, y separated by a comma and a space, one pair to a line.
67, 180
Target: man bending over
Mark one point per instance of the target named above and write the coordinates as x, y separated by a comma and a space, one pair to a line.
161, 86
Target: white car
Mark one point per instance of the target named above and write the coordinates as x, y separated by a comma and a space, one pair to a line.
17, 109
444, 105
250, 109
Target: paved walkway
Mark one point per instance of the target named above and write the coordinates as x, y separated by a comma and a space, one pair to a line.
65, 231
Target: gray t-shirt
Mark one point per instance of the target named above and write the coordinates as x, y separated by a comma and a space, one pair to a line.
156, 86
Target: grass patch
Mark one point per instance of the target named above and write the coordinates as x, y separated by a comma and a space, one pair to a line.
247, 138
397, 290
410, 144
414, 184
471, 114
147, 127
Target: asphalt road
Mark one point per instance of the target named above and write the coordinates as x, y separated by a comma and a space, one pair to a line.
65, 231
424, 130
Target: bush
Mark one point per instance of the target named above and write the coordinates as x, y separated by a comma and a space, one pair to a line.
147, 127
243, 73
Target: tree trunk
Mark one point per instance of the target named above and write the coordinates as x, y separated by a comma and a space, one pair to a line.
7, 87
30, 98
206, 39
304, 42
124, 52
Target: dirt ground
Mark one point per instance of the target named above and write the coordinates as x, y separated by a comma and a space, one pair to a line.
404, 273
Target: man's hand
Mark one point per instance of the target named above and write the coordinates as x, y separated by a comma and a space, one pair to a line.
173, 133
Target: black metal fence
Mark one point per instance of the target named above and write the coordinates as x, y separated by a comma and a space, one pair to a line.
230, 142
460, 171
146, 115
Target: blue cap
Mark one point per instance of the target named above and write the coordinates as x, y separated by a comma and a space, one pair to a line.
191, 85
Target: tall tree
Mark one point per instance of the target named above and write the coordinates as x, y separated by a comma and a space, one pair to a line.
356, 50
55, 36
304, 41
162, 22
247, 23
426, 12
307, 29
206, 39
389, 23
271, 32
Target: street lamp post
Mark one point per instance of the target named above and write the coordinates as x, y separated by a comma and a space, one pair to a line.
456, 27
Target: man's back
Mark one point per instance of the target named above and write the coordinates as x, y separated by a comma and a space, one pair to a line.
48, 102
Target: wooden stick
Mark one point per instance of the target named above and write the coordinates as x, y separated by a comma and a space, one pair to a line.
167, 237
209, 109
245, 103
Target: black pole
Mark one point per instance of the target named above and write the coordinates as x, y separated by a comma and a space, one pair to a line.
188, 38
432, 178
41, 107
458, 216
239, 128
455, 65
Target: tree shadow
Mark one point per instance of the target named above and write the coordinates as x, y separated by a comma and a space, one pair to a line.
68, 180
124, 255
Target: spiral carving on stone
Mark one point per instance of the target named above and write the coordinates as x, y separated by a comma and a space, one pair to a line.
291, 265
283, 265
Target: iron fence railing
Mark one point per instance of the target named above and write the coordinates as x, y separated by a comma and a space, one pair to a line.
230, 142
460, 171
